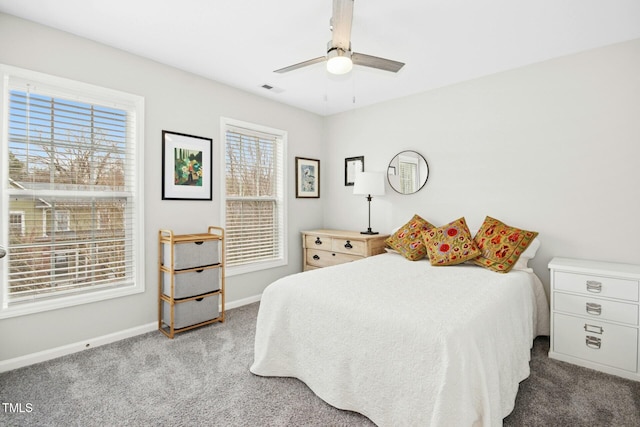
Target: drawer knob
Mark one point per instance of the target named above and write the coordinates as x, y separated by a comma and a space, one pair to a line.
316, 257
594, 286
594, 309
593, 342
348, 245
593, 328
318, 241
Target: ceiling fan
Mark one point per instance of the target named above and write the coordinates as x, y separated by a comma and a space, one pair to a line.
340, 58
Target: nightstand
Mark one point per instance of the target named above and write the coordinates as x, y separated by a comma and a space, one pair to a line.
323, 248
595, 309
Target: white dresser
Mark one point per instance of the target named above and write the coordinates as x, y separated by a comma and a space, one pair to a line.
595, 309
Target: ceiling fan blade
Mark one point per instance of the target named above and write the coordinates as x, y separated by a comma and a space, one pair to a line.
301, 64
376, 62
341, 24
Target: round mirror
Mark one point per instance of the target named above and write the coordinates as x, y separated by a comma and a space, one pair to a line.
408, 172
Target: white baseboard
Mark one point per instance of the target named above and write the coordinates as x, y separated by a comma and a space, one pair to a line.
43, 356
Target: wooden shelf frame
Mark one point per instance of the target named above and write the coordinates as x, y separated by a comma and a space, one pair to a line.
167, 237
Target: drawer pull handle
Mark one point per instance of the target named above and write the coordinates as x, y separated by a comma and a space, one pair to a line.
199, 299
593, 328
199, 243
200, 271
318, 241
316, 257
348, 245
593, 342
593, 308
593, 286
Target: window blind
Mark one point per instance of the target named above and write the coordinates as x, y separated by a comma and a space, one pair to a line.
254, 196
72, 177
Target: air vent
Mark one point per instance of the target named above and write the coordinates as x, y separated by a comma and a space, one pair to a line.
272, 88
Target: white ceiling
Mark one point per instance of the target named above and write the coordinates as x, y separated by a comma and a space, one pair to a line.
241, 42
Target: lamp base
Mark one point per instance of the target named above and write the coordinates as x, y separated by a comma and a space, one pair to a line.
369, 232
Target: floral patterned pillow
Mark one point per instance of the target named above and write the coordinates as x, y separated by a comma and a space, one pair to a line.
501, 245
407, 240
450, 244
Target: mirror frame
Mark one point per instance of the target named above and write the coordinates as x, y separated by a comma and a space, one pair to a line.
391, 170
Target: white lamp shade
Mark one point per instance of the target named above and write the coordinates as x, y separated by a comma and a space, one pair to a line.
338, 60
369, 183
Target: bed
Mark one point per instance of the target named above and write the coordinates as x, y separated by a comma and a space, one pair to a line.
404, 342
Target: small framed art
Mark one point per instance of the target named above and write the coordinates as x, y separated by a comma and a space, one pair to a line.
186, 167
307, 178
351, 166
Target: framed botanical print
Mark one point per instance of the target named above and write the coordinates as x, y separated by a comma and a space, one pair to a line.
307, 178
186, 167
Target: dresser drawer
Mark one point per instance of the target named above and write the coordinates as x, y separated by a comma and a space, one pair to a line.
596, 341
623, 289
318, 242
317, 258
596, 308
346, 246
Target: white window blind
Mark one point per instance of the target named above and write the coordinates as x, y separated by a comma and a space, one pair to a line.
254, 217
73, 171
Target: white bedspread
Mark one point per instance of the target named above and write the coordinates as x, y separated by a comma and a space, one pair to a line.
404, 343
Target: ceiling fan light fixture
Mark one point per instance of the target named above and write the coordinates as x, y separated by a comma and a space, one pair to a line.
339, 61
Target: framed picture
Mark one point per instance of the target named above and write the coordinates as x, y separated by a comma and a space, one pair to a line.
307, 178
351, 166
186, 167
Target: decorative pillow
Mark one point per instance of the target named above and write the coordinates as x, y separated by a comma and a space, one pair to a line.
527, 255
407, 239
501, 245
450, 244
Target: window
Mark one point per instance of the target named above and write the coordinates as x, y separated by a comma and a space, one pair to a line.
254, 196
72, 153
16, 223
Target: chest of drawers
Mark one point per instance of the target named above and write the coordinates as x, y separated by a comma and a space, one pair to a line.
323, 248
595, 315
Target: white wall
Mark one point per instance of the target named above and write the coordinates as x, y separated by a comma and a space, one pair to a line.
176, 101
552, 147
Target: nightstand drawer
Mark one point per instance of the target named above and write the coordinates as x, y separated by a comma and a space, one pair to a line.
596, 308
345, 246
600, 342
585, 284
317, 258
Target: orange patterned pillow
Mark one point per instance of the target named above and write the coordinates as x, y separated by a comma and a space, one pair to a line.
501, 245
407, 239
450, 244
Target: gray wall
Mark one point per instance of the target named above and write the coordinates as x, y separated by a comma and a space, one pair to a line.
552, 147
176, 101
